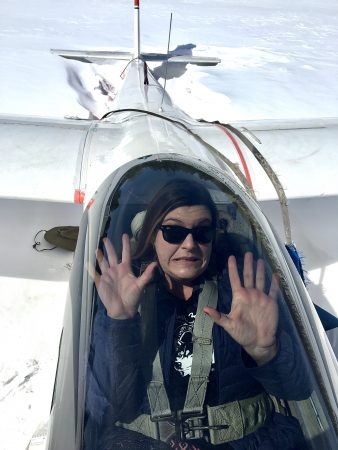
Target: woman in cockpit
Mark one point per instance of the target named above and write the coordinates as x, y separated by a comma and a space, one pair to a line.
188, 349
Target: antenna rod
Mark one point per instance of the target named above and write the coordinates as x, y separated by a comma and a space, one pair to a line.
136, 28
166, 63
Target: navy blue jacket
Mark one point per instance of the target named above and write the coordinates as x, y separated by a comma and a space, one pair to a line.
117, 391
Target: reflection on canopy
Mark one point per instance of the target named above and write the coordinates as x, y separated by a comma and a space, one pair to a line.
238, 231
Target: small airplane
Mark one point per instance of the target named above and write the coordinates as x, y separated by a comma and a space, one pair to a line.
123, 158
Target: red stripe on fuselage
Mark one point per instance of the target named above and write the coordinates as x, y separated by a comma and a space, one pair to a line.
79, 196
240, 154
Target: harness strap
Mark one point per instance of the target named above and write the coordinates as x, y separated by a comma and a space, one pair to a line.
242, 417
202, 350
202, 356
157, 395
223, 423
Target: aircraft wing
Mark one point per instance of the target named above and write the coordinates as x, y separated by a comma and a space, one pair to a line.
56, 159
105, 57
41, 158
302, 152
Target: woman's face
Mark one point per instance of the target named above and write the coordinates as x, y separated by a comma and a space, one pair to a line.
186, 260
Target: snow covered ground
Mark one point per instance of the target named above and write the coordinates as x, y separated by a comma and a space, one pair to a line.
279, 57
279, 60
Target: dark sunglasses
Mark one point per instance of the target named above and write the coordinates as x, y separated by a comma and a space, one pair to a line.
174, 234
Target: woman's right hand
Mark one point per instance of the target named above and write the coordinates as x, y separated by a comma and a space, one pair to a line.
119, 289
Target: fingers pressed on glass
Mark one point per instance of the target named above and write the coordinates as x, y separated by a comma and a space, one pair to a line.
125, 248
274, 286
148, 274
112, 258
102, 262
235, 280
260, 275
248, 273
215, 315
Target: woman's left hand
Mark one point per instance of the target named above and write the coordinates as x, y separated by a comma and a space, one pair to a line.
253, 319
